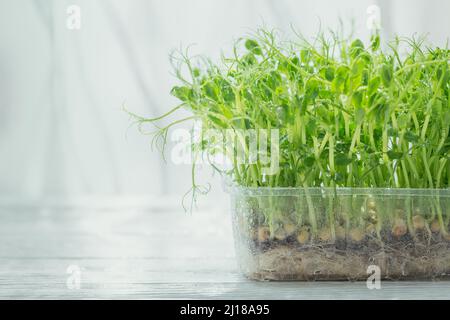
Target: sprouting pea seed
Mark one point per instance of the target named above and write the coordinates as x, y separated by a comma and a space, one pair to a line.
435, 226
325, 234
280, 234
303, 236
289, 228
340, 232
371, 204
263, 234
356, 234
418, 222
399, 228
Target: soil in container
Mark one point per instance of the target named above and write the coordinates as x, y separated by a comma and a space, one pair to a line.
406, 238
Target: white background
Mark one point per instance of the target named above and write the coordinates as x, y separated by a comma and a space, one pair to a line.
62, 131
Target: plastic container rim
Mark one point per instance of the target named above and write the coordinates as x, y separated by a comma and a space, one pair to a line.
339, 191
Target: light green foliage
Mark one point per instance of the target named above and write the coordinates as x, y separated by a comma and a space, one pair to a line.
349, 115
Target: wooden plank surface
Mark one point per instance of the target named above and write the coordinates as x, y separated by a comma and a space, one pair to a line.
148, 253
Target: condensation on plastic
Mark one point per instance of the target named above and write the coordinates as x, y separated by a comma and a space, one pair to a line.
341, 234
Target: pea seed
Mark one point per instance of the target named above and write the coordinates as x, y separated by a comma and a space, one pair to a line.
263, 234
289, 228
399, 229
303, 236
418, 222
356, 234
325, 234
435, 226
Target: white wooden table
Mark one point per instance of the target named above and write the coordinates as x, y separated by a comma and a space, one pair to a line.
147, 252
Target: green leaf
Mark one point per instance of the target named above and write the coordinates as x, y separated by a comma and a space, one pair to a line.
253, 46
342, 72
356, 48
312, 89
329, 73
357, 67
274, 80
311, 125
443, 74
357, 43
309, 161
293, 66
249, 59
391, 132
375, 42
410, 136
339, 178
341, 159
182, 93
437, 107
386, 75
210, 91
340, 77
374, 84
324, 114
359, 115
365, 77
196, 72
403, 120
393, 155
217, 121
446, 118
357, 98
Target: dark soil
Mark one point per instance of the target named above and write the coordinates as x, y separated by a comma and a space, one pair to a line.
422, 257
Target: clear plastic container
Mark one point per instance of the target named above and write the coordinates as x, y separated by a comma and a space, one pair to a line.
326, 234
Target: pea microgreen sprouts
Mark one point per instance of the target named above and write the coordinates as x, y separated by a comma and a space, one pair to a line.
348, 114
